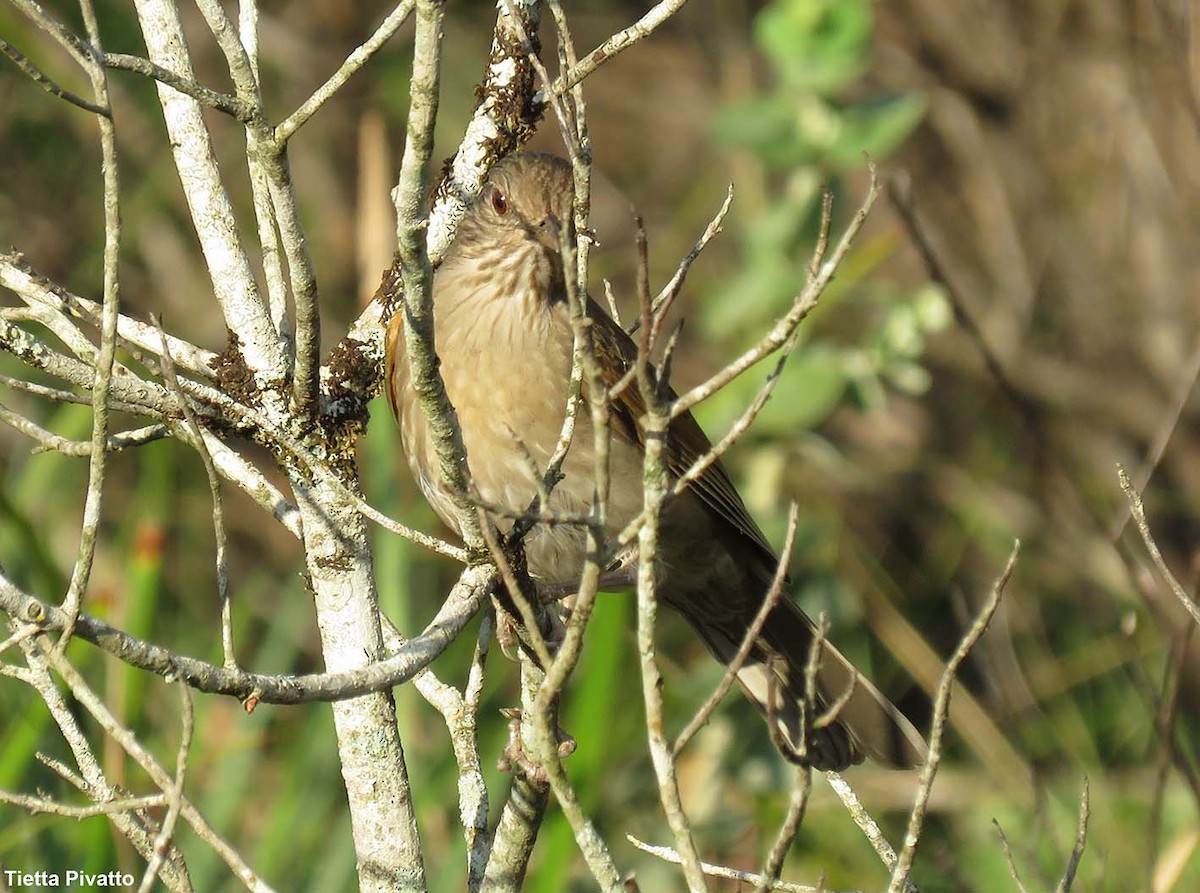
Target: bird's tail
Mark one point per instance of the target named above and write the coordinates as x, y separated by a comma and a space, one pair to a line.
867, 724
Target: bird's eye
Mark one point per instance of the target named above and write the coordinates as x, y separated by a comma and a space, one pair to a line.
499, 202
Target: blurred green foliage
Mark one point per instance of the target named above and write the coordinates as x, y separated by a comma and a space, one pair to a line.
808, 137
269, 782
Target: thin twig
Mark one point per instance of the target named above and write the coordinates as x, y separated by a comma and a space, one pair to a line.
214, 99
803, 304
1008, 858
529, 613
746, 877
111, 312
355, 61
1085, 811
75, 46
521, 818
592, 382
1139, 518
161, 778
941, 711
797, 805
175, 799
214, 486
48, 440
619, 42
412, 221
675, 283
866, 823
38, 77
90, 779
748, 641
32, 287
460, 714
35, 805
655, 489
251, 688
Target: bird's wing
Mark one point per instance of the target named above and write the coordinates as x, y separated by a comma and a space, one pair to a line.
686, 441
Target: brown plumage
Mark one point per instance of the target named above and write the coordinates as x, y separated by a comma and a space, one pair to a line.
503, 335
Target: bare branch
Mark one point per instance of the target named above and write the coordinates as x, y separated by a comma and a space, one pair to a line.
782, 331
35, 805
75, 46
797, 805
214, 486
655, 489
525, 807
866, 823
1009, 860
251, 688
410, 196
356, 60
620, 42
460, 711
211, 210
941, 712
175, 794
91, 780
213, 99
720, 871
760, 619
1139, 518
161, 778
675, 284
104, 363
1085, 811
33, 288
38, 77
48, 440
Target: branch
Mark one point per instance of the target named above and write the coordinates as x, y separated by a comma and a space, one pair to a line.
655, 487
38, 77
33, 288
213, 99
746, 877
1085, 811
91, 780
619, 42
48, 440
128, 742
104, 362
356, 60
941, 712
505, 117
412, 219
783, 329
456, 612
1139, 517
760, 620
211, 210
525, 807
218, 512
797, 806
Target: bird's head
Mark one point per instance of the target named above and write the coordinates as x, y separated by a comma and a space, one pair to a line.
520, 213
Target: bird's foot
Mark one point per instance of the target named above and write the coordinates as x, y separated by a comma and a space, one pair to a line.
515, 757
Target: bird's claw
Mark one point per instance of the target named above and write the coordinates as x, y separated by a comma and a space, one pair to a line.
515, 756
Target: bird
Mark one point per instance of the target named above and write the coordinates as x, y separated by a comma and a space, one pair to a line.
503, 336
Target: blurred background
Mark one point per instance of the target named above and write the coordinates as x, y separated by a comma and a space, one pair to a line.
1050, 155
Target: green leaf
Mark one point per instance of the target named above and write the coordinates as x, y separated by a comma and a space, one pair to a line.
816, 45
875, 128
764, 124
809, 389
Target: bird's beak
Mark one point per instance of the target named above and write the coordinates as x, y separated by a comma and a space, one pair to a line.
549, 232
